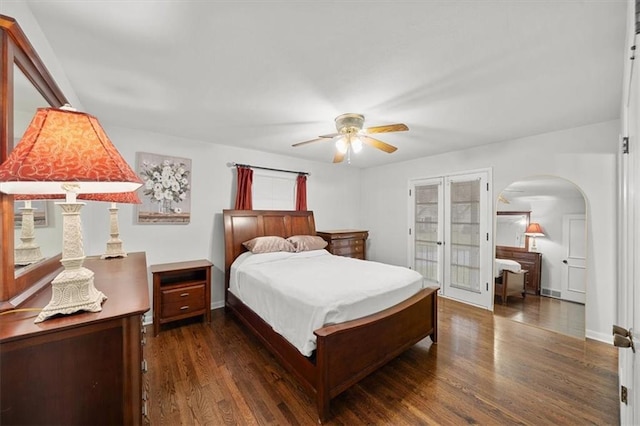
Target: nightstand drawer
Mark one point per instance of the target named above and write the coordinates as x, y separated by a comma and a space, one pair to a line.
355, 244
348, 250
182, 300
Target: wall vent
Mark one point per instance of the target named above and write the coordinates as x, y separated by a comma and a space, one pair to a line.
551, 293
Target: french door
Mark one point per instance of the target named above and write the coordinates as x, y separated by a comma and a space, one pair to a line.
449, 240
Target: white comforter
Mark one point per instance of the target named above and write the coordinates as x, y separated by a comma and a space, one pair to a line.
508, 264
297, 293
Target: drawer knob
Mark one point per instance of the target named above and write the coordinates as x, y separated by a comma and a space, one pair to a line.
182, 308
184, 294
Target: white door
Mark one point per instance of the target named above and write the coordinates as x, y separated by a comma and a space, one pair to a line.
574, 241
629, 235
449, 238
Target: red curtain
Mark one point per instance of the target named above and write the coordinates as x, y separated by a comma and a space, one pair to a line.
243, 193
301, 192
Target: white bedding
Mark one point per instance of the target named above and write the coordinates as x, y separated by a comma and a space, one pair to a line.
297, 293
502, 264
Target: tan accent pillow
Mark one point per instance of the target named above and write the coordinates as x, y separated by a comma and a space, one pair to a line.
268, 245
307, 242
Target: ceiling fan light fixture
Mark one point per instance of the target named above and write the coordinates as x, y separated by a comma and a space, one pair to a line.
356, 144
342, 145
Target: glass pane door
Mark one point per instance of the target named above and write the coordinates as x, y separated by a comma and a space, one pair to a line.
427, 225
465, 235
468, 271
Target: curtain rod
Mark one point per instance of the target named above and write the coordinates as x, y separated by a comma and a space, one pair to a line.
269, 168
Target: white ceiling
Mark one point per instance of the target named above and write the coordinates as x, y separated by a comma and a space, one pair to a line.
267, 74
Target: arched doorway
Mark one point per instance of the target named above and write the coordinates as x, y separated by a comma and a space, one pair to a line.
559, 207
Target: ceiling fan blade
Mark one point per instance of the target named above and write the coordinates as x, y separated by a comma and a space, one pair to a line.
377, 144
399, 127
306, 142
330, 135
339, 157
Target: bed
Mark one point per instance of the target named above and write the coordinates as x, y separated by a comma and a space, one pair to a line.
510, 279
344, 352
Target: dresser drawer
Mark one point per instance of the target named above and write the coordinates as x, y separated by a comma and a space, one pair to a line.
183, 300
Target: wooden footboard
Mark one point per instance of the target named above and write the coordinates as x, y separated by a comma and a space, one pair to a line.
349, 351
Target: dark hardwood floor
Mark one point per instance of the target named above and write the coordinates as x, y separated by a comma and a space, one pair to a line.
552, 314
485, 369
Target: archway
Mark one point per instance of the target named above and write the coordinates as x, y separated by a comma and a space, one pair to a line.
559, 207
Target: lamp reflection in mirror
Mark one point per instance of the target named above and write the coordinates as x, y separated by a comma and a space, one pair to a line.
114, 244
28, 251
534, 230
67, 152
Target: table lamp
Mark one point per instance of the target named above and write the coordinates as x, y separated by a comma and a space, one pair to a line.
114, 245
534, 230
64, 151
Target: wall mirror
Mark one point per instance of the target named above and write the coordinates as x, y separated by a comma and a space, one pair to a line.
510, 227
22, 76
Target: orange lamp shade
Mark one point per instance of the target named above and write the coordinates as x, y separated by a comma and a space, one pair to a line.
63, 146
113, 197
534, 230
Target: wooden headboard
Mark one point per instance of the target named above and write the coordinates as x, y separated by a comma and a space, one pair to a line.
243, 225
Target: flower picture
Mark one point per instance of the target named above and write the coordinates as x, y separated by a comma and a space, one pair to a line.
166, 188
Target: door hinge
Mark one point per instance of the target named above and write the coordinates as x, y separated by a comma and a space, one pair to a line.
409, 193
487, 186
487, 286
625, 145
409, 231
623, 395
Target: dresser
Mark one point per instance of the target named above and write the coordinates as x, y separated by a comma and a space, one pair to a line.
346, 242
531, 261
181, 290
84, 368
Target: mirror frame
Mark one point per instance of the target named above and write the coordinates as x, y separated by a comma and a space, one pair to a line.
526, 237
17, 50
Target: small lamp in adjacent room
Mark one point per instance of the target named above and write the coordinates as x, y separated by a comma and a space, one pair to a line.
114, 245
67, 152
534, 230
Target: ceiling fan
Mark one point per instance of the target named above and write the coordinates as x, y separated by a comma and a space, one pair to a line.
351, 136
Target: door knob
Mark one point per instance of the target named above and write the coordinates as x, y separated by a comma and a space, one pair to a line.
565, 262
621, 331
623, 338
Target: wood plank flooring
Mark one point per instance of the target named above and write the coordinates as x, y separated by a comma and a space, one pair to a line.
546, 312
485, 370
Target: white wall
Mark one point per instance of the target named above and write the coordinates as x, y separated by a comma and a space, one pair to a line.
585, 156
332, 193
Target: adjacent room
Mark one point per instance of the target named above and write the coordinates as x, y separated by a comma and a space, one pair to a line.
292, 212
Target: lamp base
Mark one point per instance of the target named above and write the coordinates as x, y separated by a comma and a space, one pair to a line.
26, 254
114, 249
72, 291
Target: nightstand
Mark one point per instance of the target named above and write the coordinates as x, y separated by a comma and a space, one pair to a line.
181, 290
346, 242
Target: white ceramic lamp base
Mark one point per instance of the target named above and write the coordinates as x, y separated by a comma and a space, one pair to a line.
114, 245
28, 251
72, 290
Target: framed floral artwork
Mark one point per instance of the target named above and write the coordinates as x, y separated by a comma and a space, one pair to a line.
166, 189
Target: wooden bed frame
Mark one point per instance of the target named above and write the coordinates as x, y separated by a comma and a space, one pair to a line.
345, 352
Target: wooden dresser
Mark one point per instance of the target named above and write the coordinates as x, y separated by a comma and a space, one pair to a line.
531, 261
84, 368
346, 242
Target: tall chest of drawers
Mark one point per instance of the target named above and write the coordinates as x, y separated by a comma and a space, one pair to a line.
346, 242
